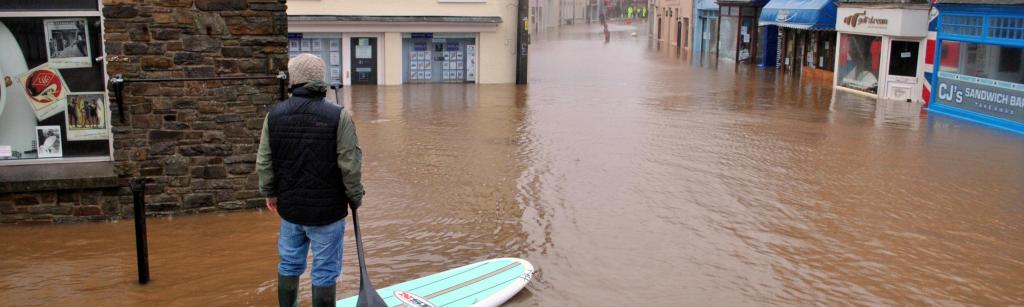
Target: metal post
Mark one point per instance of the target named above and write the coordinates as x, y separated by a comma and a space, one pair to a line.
138, 186
522, 41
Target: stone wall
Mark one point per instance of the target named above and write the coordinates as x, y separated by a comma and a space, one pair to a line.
196, 140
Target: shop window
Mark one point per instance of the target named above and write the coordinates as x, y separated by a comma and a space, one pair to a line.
967, 25
727, 42
950, 56
53, 104
859, 57
327, 46
989, 62
903, 58
1006, 27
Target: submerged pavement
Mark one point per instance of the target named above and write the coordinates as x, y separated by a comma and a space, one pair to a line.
628, 176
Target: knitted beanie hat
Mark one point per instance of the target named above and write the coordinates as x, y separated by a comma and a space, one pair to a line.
305, 68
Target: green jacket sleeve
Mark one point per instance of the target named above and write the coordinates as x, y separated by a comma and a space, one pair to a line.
264, 165
350, 158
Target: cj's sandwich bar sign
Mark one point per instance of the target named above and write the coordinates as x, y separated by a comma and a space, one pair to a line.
990, 97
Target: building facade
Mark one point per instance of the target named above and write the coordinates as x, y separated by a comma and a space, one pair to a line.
806, 36
881, 48
68, 147
398, 42
740, 39
705, 25
673, 24
978, 74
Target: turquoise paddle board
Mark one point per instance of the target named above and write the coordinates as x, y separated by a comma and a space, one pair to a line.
485, 283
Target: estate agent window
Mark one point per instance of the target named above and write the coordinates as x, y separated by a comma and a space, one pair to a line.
53, 104
859, 57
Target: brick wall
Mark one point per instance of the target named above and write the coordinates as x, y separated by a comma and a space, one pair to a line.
196, 140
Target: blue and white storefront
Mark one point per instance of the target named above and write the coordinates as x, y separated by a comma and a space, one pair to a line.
980, 76
705, 28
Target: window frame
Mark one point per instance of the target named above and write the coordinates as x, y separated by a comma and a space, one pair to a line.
106, 83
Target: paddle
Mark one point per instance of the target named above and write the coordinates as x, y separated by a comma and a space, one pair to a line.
368, 296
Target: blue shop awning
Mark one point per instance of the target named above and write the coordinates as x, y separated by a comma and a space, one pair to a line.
800, 14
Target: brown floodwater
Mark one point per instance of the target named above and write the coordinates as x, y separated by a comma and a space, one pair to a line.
628, 176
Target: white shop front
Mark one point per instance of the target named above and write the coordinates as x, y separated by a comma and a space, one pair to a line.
881, 51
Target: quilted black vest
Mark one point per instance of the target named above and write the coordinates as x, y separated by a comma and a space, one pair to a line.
303, 148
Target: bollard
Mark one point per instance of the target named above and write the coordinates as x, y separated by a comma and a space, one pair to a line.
138, 186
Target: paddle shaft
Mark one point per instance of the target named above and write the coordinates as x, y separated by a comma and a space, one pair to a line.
367, 294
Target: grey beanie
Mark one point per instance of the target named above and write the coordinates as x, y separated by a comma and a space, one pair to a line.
305, 68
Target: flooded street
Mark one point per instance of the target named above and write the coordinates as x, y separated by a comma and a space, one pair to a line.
629, 177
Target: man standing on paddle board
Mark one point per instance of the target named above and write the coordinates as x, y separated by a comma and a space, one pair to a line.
309, 165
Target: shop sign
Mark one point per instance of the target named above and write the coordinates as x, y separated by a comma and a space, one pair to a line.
990, 97
294, 35
894, 22
423, 35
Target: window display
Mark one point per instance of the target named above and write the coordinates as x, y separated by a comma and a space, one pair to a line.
859, 57
993, 62
52, 88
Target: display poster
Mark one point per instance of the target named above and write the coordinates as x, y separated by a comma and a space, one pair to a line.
364, 51
999, 99
470, 62
293, 45
6, 151
335, 73
48, 138
85, 117
67, 43
335, 45
304, 45
316, 45
45, 89
335, 58
428, 75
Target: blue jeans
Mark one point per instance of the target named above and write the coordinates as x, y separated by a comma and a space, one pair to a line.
293, 246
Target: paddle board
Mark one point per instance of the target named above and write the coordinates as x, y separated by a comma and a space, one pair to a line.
485, 283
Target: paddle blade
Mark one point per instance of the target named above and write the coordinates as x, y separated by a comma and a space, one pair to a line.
368, 297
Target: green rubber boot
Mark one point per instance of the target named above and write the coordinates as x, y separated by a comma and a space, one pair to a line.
287, 291
323, 296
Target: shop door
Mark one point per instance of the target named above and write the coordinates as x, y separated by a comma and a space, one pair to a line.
364, 60
902, 78
679, 36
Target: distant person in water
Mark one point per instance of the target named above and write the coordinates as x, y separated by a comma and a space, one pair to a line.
310, 168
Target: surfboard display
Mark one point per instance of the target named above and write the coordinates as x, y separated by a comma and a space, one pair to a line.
486, 283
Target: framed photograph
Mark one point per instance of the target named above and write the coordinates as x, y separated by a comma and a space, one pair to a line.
446, 65
293, 45
458, 55
430, 65
460, 75
419, 75
335, 45
67, 43
48, 142
316, 45
412, 75
428, 75
461, 66
444, 75
304, 45
45, 89
85, 117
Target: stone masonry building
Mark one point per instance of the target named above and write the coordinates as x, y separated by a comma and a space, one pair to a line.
195, 140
